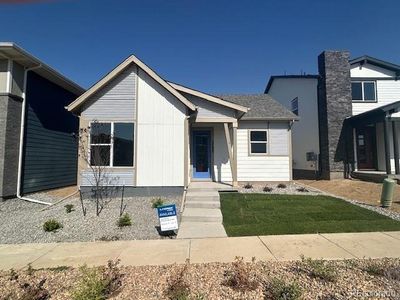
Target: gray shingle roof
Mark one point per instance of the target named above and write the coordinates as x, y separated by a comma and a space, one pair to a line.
262, 106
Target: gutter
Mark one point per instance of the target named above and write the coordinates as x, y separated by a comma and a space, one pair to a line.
21, 140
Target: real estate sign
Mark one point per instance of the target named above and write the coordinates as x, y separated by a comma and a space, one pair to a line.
167, 217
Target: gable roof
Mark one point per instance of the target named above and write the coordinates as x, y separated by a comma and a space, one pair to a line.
208, 97
117, 70
261, 107
10, 50
273, 77
376, 62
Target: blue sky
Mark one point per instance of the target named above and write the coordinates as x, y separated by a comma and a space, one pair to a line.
218, 46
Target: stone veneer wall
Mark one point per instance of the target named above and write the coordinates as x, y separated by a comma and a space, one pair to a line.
334, 105
10, 121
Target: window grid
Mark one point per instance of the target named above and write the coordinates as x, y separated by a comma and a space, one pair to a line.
111, 144
363, 92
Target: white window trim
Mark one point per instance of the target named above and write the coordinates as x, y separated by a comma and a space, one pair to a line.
258, 142
112, 144
362, 91
295, 101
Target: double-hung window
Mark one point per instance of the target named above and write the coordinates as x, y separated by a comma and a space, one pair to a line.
111, 144
363, 90
258, 142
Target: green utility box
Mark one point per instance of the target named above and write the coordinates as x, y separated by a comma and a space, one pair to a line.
387, 192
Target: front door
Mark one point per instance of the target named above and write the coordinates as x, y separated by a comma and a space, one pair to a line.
366, 147
201, 154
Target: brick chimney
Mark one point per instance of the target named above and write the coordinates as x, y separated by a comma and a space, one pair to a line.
334, 105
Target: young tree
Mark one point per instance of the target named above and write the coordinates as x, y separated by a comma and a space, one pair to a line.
94, 148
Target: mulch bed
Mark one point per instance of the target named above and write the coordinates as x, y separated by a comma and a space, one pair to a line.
213, 281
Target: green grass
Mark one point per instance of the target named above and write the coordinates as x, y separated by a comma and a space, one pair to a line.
260, 214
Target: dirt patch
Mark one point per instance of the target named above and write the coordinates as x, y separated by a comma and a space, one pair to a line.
351, 279
361, 191
63, 192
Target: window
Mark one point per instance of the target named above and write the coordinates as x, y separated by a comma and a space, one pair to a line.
111, 144
258, 142
363, 90
295, 106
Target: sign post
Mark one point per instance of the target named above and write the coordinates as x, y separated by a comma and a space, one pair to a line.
167, 217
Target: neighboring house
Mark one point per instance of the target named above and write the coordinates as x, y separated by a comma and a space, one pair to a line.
158, 135
348, 116
40, 152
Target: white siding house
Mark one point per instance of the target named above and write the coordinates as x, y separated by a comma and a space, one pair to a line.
300, 90
153, 134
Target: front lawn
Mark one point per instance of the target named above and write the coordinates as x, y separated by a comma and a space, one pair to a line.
260, 214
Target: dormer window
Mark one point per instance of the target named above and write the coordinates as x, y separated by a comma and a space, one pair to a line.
363, 91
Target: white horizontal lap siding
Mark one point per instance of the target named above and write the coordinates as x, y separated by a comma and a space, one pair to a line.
264, 167
207, 109
113, 177
160, 135
116, 101
388, 91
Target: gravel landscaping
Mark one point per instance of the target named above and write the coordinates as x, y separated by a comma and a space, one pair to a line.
349, 279
290, 188
22, 222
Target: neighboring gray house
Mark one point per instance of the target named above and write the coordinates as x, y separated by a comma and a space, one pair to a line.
37, 147
349, 117
157, 134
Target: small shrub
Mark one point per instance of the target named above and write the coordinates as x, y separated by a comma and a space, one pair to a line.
281, 186
240, 276
178, 287
374, 268
124, 220
319, 269
69, 208
51, 225
248, 186
157, 202
106, 238
280, 290
302, 190
30, 270
267, 189
34, 291
98, 283
13, 275
90, 286
382, 268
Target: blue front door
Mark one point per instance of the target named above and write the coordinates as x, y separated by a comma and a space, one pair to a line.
201, 154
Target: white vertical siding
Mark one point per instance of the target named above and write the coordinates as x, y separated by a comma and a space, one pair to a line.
3, 75
160, 135
207, 109
261, 167
116, 101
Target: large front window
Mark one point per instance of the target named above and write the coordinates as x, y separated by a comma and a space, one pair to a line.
363, 90
111, 144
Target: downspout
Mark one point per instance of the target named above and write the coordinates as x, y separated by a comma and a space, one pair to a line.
21, 141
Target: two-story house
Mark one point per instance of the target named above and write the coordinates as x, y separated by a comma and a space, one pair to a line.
348, 117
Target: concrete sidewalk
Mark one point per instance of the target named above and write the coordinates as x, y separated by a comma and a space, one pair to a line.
160, 252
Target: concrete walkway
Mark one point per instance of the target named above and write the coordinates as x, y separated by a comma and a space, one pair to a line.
202, 217
161, 252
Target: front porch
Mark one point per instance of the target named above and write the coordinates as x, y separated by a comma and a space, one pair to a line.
375, 148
